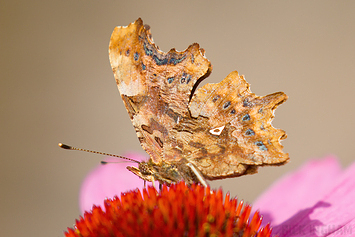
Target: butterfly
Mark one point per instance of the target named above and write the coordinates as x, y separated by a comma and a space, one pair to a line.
217, 131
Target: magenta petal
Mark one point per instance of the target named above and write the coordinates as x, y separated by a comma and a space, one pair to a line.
346, 230
298, 190
107, 181
333, 213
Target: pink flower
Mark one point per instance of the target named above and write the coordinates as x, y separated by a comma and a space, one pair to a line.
315, 200
107, 181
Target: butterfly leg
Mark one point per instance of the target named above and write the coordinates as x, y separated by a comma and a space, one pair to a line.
153, 183
198, 174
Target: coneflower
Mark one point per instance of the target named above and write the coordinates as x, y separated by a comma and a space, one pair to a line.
177, 210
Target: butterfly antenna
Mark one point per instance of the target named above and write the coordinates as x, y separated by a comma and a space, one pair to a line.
103, 162
67, 147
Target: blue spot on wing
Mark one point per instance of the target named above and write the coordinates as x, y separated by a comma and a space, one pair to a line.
261, 145
246, 117
160, 61
147, 50
136, 56
249, 132
175, 61
170, 80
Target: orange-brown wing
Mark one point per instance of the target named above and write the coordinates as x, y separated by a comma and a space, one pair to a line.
155, 86
229, 132
223, 129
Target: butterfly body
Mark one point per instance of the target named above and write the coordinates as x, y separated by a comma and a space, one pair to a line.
217, 131
164, 172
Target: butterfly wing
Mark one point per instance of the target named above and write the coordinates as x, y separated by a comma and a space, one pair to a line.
224, 130
155, 86
233, 135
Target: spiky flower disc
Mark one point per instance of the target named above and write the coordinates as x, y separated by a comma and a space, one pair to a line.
175, 211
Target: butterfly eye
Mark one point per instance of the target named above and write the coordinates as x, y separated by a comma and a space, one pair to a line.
144, 169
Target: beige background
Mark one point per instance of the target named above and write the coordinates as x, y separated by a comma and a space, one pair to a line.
57, 86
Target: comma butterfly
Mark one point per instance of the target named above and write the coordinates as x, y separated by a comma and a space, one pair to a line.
217, 131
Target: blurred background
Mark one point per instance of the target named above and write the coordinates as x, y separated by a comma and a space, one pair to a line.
57, 86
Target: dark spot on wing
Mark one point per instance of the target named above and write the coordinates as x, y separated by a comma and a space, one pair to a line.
148, 49
147, 129
215, 98
246, 117
249, 132
170, 80
158, 140
226, 105
136, 56
196, 145
160, 60
246, 103
173, 115
188, 79
261, 145
175, 60
183, 78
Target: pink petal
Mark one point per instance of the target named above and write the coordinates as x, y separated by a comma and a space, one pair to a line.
298, 190
107, 181
334, 213
346, 230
